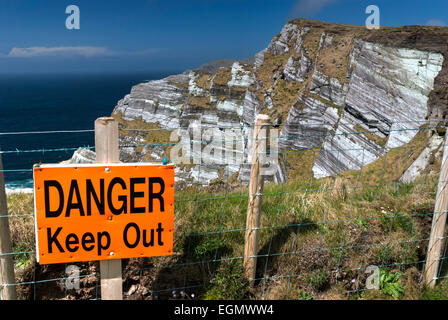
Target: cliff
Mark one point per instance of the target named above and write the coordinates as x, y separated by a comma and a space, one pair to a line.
318, 81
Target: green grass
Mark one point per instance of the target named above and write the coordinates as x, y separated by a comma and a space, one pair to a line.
318, 279
390, 283
439, 292
229, 283
307, 232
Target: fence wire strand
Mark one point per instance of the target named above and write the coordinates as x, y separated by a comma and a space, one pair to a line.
315, 234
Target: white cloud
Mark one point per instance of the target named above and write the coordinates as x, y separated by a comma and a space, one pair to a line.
436, 23
57, 51
309, 7
80, 51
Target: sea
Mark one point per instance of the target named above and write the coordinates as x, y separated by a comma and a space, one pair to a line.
54, 102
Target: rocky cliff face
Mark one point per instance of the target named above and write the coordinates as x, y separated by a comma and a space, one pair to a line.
319, 82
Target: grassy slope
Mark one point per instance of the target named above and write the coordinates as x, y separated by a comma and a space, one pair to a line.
323, 232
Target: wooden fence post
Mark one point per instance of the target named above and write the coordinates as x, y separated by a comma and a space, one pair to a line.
106, 148
436, 239
255, 197
7, 292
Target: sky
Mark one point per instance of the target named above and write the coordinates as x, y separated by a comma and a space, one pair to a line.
170, 35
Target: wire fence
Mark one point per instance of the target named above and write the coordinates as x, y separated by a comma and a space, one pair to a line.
319, 236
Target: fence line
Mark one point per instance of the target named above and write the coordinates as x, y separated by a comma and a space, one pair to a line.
302, 213
15, 133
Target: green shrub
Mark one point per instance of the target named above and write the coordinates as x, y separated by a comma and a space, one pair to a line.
389, 283
305, 296
207, 248
229, 283
318, 279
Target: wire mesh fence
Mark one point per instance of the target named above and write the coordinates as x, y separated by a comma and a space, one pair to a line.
321, 236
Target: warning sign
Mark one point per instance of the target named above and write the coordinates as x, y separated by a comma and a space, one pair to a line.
103, 211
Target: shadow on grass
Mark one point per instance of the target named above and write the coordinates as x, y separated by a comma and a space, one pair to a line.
192, 271
271, 251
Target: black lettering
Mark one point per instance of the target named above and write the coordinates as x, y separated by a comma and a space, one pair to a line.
53, 239
125, 235
134, 195
158, 195
74, 205
100, 241
159, 234
151, 242
48, 212
122, 198
69, 242
87, 238
90, 191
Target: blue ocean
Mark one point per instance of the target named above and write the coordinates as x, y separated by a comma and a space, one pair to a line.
30, 103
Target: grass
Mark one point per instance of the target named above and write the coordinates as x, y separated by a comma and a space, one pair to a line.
318, 229
371, 135
229, 283
203, 81
439, 292
222, 77
286, 95
153, 137
201, 102
333, 60
316, 236
22, 227
272, 65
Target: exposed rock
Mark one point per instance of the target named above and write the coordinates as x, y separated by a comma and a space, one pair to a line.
168, 104
250, 108
393, 84
308, 123
81, 155
280, 43
213, 66
156, 101
299, 41
328, 88
423, 160
388, 91
394, 79
345, 150
297, 69
259, 59
240, 77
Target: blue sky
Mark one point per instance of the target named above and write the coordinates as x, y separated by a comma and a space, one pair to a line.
170, 35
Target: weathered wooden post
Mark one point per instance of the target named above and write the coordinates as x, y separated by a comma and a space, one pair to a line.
436, 239
106, 148
255, 197
7, 288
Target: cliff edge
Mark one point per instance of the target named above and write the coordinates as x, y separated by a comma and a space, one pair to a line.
319, 82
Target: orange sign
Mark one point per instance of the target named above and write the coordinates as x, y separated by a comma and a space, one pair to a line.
103, 211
